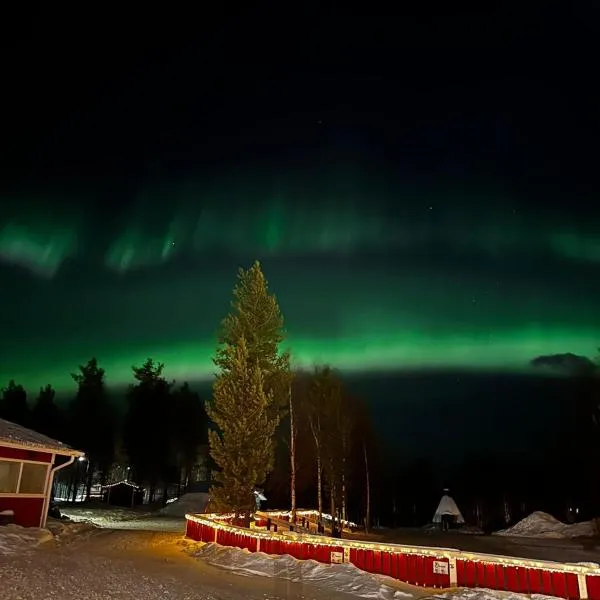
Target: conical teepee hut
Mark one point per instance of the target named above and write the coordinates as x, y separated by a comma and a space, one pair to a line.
447, 512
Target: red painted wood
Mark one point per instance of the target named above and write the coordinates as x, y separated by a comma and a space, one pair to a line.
395, 566
420, 570
386, 564
547, 587
512, 580
24, 454
377, 562
572, 586
593, 587
535, 581
411, 568
559, 584
27, 511
490, 576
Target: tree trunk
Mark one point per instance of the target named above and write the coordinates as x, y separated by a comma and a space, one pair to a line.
88, 482
334, 509
368, 491
292, 459
344, 491
319, 486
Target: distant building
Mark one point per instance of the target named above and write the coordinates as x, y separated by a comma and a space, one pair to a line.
123, 493
28, 463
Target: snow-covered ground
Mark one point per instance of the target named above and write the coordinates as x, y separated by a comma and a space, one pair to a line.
103, 564
111, 517
105, 553
542, 525
15, 539
338, 578
188, 503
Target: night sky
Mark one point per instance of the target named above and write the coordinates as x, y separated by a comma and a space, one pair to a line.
421, 189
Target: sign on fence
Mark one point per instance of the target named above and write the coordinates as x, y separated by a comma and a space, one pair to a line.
337, 558
440, 567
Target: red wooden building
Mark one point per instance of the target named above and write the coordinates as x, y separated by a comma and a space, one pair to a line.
28, 462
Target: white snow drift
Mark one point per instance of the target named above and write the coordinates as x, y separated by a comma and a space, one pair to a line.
542, 525
343, 578
195, 503
15, 539
339, 578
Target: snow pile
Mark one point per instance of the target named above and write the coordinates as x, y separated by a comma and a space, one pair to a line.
102, 516
188, 503
485, 594
542, 525
15, 539
343, 578
65, 529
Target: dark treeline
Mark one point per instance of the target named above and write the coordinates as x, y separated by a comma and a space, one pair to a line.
161, 437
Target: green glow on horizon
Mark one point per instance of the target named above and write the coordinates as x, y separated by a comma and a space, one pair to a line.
370, 275
406, 351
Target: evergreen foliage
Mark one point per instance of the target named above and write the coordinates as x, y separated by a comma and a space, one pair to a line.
243, 445
148, 422
249, 393
92, 419
13, 406
46, 416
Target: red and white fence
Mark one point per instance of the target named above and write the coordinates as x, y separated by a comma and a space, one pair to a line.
416, 565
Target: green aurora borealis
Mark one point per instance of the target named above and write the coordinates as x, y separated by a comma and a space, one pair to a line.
369, 277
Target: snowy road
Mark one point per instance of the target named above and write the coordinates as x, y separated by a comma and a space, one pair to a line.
134, 565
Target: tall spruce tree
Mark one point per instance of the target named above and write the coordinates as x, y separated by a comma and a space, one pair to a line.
249, 393
243, 444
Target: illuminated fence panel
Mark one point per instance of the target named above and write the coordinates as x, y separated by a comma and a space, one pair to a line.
425, 567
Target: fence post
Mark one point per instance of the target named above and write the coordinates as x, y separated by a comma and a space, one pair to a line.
258, 544
452, 571
581, 581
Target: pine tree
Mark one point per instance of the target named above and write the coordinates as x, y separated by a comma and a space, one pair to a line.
249, 394
189, 428
13, 406
256, 317
46, 416
147, 434
243, 445
92, 420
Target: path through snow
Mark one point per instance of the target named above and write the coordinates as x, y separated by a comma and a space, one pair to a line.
133, 565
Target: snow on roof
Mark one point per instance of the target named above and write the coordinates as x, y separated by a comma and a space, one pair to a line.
12, 434
447, 506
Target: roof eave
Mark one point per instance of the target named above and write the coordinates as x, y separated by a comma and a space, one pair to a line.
41, 448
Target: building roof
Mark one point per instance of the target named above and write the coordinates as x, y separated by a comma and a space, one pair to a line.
17, 436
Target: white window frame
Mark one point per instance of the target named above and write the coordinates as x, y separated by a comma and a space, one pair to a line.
22, 462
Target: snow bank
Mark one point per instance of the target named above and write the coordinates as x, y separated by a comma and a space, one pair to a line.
485, 594
542, 525
15, 539
188, 503
103, 516
339, 578
65, 529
